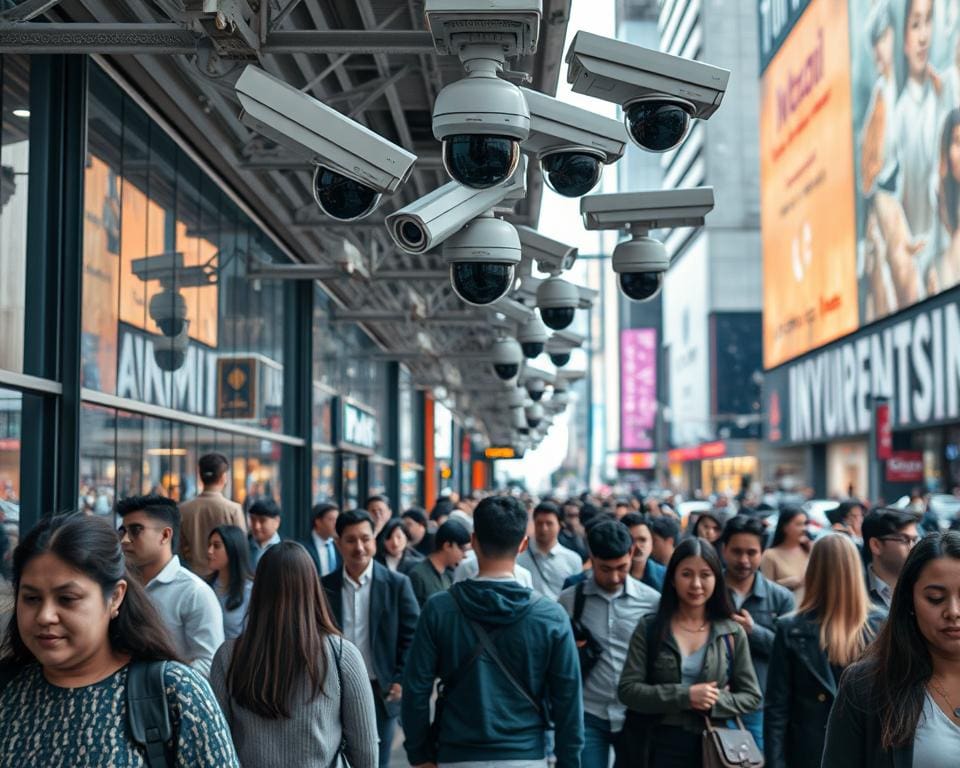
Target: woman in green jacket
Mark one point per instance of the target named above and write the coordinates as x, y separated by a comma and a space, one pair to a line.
688, 662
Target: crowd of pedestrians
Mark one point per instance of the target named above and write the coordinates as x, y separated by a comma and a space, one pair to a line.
495, 632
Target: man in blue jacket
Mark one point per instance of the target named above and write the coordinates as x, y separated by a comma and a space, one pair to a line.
506, 660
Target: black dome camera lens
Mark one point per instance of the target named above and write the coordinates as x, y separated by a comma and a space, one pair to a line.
572, 174
411, 234
169, 359
479, 161
506, 371
536, 395
657, 125
533, 423
557, 318
171, 326
560, 359
532, 349
523, 430
481, 283
641, 286
342, 198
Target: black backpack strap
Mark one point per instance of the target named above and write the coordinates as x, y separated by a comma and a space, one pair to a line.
148, 711
729, 643
579, 598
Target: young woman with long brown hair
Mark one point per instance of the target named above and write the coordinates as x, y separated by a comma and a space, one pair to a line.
900, 706
293, 690
829, 631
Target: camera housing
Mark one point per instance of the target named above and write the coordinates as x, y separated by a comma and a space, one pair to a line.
483, 256
640, 262
572, 144
355, 167
534, 415
558, 301
560, 345
507, 357
168, 309
659, 93
552, 256
429, 221
536, 387
533, 336
482, 118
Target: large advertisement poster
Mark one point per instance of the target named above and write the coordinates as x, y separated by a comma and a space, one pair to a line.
906, 94
807, 198
638, 388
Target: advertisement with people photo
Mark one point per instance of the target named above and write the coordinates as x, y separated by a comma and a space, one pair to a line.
905, 72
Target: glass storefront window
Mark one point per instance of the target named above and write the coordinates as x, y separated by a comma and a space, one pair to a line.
324, 482
11, 405
350, 477
377, 478
170, 317
14, 174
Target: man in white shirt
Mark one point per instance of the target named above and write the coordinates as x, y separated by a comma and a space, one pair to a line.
321, 544
549, 562
377, 611
186, 603
264, 528
611, 603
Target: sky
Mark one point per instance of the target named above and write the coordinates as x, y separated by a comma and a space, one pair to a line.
560, 219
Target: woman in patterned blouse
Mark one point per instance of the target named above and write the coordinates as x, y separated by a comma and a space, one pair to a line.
80, 620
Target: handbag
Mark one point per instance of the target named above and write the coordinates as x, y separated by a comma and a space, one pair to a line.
339, 758
589, 648
730, 747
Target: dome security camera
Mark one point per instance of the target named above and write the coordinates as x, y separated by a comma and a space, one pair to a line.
558, 301
535, 388
532, 336
641, 263
170, 352
483, 258
435, 217
534, 414
168, 309
572, 143
659, 93
355, 167
507, 358
482, 118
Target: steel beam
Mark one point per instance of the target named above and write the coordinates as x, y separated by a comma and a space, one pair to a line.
96, 38
349, 41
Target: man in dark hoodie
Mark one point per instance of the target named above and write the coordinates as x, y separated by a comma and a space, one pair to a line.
506, 659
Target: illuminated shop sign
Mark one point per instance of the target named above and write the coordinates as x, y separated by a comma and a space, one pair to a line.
358, 427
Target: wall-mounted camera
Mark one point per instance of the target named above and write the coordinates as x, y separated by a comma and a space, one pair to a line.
552, 256
572, 144
355, 167
659, 93
507, 357
561, 345
534, 413
642, 261
482, 118
532, 336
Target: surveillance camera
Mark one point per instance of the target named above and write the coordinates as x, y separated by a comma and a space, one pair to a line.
482, 118
558, 300
518, 419
641, 263
354, 166
535, 388
507, 357
532, 336
560, 345
482, 258
427, 222
534, 414
551, 255
170, 351
168, 309
659, 93
516, 398
572, 144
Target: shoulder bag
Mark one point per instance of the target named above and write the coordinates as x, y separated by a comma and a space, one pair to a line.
729, 747
589, 648
339, 757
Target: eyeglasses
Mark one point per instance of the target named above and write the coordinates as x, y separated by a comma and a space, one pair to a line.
135, 529
910, 541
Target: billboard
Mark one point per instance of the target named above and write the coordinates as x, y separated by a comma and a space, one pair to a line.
806, 174
860, 164
638, 388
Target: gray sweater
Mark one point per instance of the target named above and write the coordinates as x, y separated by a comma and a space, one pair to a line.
310, 738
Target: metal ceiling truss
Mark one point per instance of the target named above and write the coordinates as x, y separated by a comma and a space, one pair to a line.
372, 61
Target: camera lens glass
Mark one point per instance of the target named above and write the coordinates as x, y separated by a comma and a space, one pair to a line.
572, 174
536, 395
533, 423
506, 371
656, 125
481, 283
641, 286
531, 349
560, 359
342, 198
480, 161
557, 318
411, 234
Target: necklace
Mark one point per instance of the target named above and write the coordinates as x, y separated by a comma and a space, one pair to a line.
943, 695
687, 629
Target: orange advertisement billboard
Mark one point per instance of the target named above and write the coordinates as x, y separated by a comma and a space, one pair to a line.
807, 187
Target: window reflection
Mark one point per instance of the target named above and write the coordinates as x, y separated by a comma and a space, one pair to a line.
11, 405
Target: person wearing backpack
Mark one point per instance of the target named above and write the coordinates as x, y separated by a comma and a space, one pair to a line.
91, 674
506, 659
294, 691
604, 609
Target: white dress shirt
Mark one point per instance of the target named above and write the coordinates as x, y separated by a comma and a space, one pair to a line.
356, 614
190, 609
611, 618
324, 549
550, 569
469, 568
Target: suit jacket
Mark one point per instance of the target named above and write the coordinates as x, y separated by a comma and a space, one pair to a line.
198, 517
393, 618
311, 548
